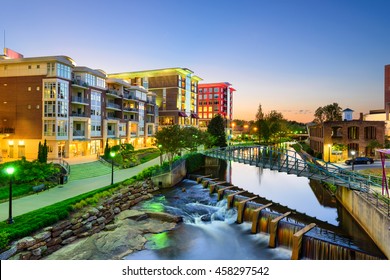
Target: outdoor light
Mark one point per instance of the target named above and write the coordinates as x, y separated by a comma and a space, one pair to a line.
10, 171
112, 154
160, 146
353, 159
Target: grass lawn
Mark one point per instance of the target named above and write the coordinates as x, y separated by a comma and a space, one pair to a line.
375, 171
89, 170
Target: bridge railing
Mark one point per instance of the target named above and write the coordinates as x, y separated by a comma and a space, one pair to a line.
291, 162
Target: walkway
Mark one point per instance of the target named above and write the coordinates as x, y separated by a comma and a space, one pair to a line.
71, 189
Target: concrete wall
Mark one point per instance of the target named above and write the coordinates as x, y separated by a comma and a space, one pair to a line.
374, 222
170, 179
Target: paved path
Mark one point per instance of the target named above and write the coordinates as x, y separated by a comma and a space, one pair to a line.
71, 189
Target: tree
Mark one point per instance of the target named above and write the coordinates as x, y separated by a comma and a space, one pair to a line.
330, 112
107, 151
192, 138
270, 126
169, 141
43, 152
216, 128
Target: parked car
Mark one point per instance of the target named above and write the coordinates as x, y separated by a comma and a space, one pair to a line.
360, 160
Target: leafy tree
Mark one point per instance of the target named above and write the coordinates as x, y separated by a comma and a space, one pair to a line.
107, 151
169, 141
339, 148
271, 126
330, 112
216, 128
192, 138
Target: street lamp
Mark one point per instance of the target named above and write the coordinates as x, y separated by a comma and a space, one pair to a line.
112, 155
10, 171
353, 159
329, 145
160, 146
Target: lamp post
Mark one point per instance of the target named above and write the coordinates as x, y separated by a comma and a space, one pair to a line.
329, 145
10, 171
160, 146
112, 155
353, 160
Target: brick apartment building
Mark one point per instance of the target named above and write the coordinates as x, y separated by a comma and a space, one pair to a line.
213, 99
176, 93
76, 109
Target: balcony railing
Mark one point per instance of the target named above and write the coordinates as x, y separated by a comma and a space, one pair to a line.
78, 99
78, 133
110, 132
79, 83
113, 92
113, 105
7, 130
130, 96
130, 109
76, 114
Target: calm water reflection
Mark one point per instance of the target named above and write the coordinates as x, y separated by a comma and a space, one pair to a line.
288, 190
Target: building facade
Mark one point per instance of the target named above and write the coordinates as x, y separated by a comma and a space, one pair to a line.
213, 99
75, 109
176, 92
354, 135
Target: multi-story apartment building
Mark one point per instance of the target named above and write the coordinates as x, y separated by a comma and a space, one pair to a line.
76, 109
355, 135
176, 93
213, 99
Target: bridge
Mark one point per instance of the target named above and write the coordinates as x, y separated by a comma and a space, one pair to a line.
289, 161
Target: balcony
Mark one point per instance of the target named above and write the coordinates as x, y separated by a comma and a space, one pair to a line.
79, 100
110, 133
128, 109
150, 112
130, 96
79, 83
113, 93
7, 130
78, 114
77, 134
113, 106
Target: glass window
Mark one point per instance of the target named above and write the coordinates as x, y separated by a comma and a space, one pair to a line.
50, 90
63, 71
49, 128
216, 89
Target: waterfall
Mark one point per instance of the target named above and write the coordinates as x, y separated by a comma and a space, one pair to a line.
285, 233
316, 249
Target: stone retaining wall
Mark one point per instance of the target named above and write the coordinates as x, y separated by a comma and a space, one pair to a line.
81, 224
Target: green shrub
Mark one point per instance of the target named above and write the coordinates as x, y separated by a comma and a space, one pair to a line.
194, 161
4, 239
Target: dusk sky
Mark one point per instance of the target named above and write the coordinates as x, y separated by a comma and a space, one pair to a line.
289, 55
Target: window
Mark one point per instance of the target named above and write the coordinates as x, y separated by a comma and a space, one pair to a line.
49, 108
216, 96
62, 128
29, 67
49, 128
370, 132
353, 132
50, 90
63, 71
216, 89
100, 82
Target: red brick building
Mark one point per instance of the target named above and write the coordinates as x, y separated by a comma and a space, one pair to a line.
213, 99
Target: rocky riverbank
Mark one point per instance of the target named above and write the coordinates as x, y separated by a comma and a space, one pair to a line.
110, 230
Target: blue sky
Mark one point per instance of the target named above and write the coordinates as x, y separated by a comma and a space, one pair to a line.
290, 56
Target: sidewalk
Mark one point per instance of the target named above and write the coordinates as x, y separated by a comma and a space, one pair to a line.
71, 189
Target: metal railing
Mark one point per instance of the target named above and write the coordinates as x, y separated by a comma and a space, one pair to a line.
289, 161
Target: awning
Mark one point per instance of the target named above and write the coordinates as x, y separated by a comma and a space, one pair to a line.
182, 114
194, 116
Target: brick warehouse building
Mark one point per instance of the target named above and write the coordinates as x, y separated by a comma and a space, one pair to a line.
76, 109
356, 135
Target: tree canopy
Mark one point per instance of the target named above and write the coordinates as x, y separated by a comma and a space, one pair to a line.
330, 112
216, 129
